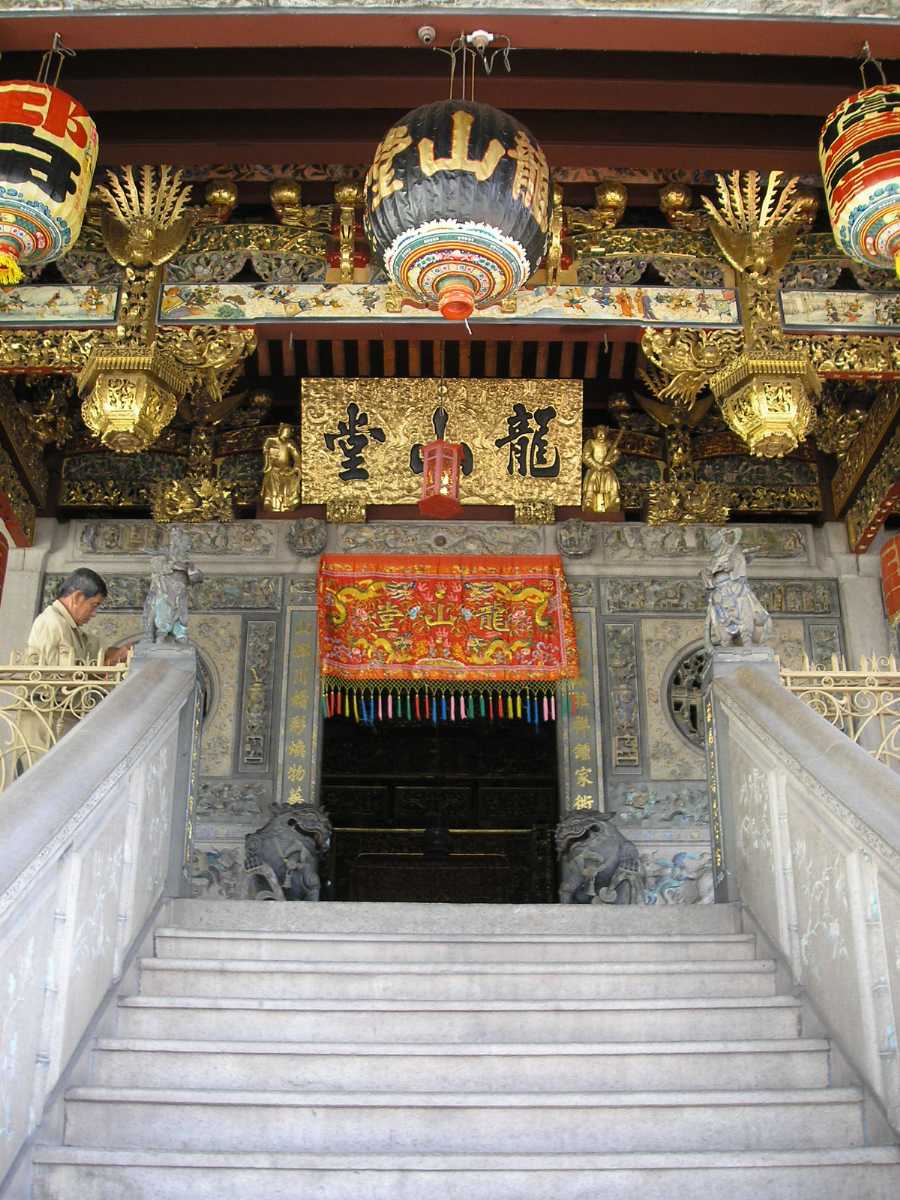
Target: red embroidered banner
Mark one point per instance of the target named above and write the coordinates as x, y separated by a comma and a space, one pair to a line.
468, 620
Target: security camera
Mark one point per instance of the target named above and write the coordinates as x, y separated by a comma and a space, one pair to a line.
427, 35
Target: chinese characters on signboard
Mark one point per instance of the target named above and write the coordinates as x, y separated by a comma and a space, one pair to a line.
359, 438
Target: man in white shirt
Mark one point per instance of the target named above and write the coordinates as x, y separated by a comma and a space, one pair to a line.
58, 633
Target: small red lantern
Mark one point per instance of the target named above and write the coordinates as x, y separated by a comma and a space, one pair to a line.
441, 462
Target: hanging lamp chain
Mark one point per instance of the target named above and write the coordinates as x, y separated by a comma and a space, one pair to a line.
55, 56
867, 59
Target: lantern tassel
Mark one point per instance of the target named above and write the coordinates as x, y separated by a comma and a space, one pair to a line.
10, 271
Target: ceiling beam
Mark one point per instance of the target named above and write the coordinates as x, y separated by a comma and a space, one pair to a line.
144, 28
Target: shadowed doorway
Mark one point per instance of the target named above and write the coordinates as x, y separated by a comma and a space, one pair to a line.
461, 811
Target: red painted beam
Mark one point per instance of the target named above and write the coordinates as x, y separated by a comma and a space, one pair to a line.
270, 93
570, 30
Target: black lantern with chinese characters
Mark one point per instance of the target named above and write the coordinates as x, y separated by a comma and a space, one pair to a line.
458, 205
441, 462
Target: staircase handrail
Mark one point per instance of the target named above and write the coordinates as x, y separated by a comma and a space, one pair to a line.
92, 838
811, 840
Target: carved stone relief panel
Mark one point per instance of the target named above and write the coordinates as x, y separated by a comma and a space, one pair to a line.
216, 593
299, 757
623, 695
651, 804
217, 870
824, 642
250, 539
257, 697
647, 594
420, 538
663, 643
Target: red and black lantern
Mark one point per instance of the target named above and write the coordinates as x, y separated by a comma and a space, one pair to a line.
458, 205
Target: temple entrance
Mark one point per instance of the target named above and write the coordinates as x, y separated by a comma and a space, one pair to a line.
462, 811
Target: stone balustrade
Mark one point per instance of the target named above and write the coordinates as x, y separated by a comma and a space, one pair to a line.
810, 844
91, 838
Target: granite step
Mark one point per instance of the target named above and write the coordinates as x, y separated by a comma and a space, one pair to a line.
866, 1173
545, 1021
333, 1122
480, 1067
455, 920
266, 946
454, 981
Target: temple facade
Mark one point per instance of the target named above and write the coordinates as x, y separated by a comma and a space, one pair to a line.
485, 425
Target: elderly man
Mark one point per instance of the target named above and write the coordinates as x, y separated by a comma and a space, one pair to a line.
58, 633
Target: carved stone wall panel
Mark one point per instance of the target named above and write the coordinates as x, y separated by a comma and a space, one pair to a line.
654, 594
302, 591
623, 696
690, 544
243, 539
674, 807
789, 643
824, 642
677, 873
216, 593
217, 870
886, 906
300, 708
257, 696
233, 801
663, 642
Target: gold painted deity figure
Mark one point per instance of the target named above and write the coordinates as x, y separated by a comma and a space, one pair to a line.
281, 472
600, 488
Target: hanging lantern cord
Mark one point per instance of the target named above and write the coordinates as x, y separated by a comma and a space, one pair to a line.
60, 52
866, 60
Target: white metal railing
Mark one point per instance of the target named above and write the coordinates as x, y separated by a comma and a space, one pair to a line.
811, 839
39, 703
863, 703
91, 838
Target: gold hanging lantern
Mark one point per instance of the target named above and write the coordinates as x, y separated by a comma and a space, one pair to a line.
767, 401
131, 395
767, 392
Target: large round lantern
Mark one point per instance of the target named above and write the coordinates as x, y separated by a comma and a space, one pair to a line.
458, 205
48, 150
859, 151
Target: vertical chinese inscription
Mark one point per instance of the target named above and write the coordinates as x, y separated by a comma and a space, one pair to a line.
301, 711
582, 774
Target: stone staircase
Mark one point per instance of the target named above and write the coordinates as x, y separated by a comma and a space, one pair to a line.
404, 1052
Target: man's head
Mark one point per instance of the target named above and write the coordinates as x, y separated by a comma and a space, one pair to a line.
82, 594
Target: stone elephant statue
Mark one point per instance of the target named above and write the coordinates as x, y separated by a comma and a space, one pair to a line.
597, 865
281, 860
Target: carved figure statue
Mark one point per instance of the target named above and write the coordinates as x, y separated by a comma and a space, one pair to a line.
166, 607
600, 489
734, 615
281, 472
308, 536
281, 860
575, 539
597, 865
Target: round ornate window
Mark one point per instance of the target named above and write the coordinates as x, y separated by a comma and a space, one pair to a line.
684, 694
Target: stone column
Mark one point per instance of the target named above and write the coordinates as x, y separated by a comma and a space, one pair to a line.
21, 593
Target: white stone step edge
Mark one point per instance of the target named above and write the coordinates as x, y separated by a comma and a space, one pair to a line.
287, 935
752, 966
463, 1049
418, 1100
691, 1004
690, 1160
